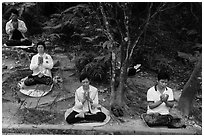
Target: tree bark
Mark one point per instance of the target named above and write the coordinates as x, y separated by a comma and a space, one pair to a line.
113, 77
190, 89
122, 81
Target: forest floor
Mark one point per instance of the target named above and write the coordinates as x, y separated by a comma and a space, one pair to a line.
49, 110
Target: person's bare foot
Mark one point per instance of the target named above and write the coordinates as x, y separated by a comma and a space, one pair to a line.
22, 40
81, 115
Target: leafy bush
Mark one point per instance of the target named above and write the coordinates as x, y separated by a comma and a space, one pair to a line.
96, 71
83, 59
97, 67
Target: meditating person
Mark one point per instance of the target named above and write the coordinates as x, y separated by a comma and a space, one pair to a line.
41, 65
160, 99
86, 103
16, 30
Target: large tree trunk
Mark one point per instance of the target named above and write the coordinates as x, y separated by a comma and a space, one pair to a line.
190, 89
118, 104
119, 101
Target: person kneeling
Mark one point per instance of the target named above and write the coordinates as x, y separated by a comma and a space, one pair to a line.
86, 104
41, 65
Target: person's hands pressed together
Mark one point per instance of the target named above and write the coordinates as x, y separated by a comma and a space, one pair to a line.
164, 97
84, 97
40, 75
15, 25
87, 97
40, 60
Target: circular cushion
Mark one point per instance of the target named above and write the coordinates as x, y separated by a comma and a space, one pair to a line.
38, 90
92, 124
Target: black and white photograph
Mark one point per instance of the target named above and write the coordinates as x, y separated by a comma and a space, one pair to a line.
101, 68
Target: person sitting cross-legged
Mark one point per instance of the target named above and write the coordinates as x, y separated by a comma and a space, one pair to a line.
160, 100
86, 104
41, 65
16, 29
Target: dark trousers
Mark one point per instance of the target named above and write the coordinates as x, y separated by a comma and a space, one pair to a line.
16, 39
33, 80
25, 42
157, 119
99, 117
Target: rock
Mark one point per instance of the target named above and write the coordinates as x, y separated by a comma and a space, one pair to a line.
4, 67
101, 90
57, 63
19, 66
17, 62
58, 50
197, 126
11, 67
57, 79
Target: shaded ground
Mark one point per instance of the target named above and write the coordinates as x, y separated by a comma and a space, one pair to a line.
50, 109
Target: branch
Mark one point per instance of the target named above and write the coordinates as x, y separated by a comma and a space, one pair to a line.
97, 17
145, 26
119, 28
193, 13
172, 7
106, 23
126, 22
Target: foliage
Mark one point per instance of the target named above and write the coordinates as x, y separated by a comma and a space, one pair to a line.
187, 57
97, 67
173, 31
79, 26
83, 59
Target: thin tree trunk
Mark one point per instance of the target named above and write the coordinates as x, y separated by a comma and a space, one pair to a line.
113, 77
121, 88
190, 90
113, 56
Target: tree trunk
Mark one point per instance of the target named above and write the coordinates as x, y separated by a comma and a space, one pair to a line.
190, 90
119, 102
113, 77
113, 55
121, 88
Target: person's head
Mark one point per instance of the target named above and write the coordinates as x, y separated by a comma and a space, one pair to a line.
163, 78
14, 14
41, 47
85, 80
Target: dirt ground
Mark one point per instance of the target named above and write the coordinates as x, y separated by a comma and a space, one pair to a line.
50, 108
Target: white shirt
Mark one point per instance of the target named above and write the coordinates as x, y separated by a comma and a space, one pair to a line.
21, 27
154, 95
79, 95
44, 68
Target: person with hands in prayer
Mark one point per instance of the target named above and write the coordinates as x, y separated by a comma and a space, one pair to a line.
160, 100
41, 65
86, 105
16, 30
160, 97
